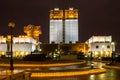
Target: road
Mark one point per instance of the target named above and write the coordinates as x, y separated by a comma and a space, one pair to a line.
111, 74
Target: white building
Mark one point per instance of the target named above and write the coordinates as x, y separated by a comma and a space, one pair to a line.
71, 25
56, 31
21, 46
56, 26
101, 46
63, 25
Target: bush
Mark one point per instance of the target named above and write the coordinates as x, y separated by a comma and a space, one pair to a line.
106, 58
80, 55
35, 57
117, 59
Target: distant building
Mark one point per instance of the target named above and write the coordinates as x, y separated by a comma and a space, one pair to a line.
67, 48
101, 46
22, 46
71, 25
63, 25
56, 26
64, 51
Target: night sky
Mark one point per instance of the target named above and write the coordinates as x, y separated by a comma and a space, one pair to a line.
96, 17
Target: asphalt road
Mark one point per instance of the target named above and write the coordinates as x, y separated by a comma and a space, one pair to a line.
111, 74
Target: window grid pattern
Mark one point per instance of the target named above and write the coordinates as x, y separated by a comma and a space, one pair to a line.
71, 30
56, 31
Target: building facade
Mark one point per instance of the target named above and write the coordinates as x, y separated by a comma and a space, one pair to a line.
56, 26
71, 25
101, 46
63, 25
21, 46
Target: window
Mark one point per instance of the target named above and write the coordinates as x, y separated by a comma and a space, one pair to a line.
108, 46
97, 46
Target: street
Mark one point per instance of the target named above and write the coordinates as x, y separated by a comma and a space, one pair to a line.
112, 74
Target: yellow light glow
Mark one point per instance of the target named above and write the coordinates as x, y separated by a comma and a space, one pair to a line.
8, 37
56, 14
17, 53
1, 36
103, 46
3, 53
107, 53
71, 14
32, 31
113, 43
73, 73
22, 53
11, 24
26, 53
96, 53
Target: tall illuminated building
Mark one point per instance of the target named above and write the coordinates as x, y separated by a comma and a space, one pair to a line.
56, 26
63, 25
71, 25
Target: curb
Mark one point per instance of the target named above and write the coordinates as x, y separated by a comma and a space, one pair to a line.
111, 67
73, 73
43, 65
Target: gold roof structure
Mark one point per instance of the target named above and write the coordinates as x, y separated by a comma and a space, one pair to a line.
32, 31
71, 13
56, 14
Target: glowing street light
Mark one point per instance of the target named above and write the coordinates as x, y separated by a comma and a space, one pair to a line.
11, 25
112, 45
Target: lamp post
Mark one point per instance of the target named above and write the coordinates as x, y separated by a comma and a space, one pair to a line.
91, 58
11, 25
112, 44
91, 63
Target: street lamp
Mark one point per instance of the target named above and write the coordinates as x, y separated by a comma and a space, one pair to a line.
91, 60
112, 44
91, 57
11, 25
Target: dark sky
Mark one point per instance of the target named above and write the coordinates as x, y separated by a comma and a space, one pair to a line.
96, 17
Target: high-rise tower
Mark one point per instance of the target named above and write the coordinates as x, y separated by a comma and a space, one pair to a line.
71, 25
63, 25
56, 24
